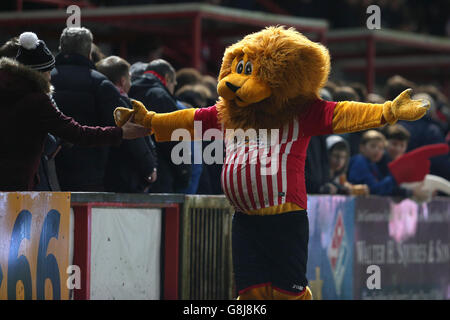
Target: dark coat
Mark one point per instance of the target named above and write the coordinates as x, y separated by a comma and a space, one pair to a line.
153, 94
29, 115
90, 98
130, 164
317, 171
47, 176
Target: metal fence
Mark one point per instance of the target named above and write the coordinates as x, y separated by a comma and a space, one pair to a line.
206, 262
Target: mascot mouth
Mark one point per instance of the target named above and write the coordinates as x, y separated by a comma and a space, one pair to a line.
232, 87
243, 90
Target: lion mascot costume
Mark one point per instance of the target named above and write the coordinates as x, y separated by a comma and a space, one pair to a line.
269, 84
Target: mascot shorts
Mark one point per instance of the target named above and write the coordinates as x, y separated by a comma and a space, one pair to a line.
270, 250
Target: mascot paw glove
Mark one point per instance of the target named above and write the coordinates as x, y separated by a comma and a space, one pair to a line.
141, 115
122, 115
404, 108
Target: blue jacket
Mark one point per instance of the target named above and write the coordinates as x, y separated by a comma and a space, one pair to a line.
362, 171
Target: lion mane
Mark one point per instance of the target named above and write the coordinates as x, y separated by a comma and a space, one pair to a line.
294, 68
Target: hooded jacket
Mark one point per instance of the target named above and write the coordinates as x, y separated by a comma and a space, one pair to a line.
29, 115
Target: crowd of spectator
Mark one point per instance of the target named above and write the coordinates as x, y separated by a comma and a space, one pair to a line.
357, 163
88, 86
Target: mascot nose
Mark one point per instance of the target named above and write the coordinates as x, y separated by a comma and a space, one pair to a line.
232, 87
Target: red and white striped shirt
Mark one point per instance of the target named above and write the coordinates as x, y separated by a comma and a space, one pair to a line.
267, 170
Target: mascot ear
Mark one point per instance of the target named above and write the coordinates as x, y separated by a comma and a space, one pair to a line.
312, 65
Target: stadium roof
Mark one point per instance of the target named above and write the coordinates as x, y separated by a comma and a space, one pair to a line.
189, 20
184, 28
390, 51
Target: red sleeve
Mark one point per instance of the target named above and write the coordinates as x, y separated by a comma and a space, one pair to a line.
208, 117
54, 121
318, 119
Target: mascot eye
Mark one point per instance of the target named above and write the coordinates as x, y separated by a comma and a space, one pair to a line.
248, 68
240, 66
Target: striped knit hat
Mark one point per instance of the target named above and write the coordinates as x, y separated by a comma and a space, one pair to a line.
34, 54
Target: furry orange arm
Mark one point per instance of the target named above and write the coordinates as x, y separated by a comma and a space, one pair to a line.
352, 116
164, 124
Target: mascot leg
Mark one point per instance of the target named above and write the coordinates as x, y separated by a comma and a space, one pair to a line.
263, 292
284, 295
270, 256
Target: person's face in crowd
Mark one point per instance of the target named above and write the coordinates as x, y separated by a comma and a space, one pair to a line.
125, 83
338, 159
171, 82
373, 150
396, 148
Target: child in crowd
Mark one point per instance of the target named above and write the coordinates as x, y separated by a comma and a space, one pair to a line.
363, 168
397, 143
338, 158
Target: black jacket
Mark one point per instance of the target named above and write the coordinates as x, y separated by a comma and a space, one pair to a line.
90, 98
47, 179
153, 94
130, 164
317, 171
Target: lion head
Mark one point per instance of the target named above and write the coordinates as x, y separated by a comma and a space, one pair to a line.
269, 76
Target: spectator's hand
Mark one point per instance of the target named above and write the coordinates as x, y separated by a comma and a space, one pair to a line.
404, 108
142, 115
360, 190
133, 131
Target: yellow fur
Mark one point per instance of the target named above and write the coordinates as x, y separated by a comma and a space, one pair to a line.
404, 108
350, 116
164, 124
288, 72
285, 207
